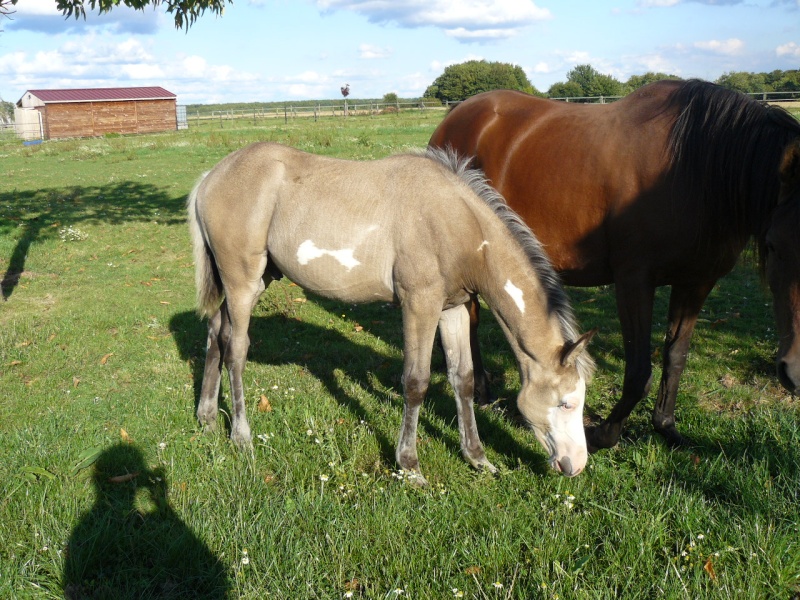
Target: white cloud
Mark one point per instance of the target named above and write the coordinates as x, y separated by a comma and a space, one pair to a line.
104, 61
540, 67
368, 51
42, 16
465, 20
439, 66
790, 49
727, 47
480, 35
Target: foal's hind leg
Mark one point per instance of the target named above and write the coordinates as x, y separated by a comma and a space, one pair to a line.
454, 330
218, 336
419, 331
240, 302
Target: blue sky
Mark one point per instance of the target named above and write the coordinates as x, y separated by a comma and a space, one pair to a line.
276, 50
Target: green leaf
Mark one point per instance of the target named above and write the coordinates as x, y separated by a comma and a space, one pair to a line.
580, 563
34, 473
87, 459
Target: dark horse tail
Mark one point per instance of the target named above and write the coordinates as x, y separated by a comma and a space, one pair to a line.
206, 275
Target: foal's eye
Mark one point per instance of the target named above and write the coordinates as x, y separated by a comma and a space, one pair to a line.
565, 405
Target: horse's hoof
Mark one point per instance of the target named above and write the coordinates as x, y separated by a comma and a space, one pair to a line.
601, 437
673, 438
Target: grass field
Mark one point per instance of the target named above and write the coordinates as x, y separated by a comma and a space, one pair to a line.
108, 489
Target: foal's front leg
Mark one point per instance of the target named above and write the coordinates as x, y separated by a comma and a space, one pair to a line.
454, 330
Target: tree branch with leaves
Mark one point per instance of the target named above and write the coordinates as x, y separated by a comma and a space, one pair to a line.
185, 12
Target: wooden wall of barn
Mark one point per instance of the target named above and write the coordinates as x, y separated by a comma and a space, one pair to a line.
88, 119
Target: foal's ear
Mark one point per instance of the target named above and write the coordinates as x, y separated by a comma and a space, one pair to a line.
572, 350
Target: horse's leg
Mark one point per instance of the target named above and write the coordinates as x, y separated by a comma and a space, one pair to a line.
635, 308
685, 303
482, 393
419, 331
454, 330
240, 301
218, 335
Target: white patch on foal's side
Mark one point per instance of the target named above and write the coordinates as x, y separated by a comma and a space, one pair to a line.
308, 251
483, 244
516, 295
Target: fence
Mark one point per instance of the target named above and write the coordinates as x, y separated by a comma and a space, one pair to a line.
314, 111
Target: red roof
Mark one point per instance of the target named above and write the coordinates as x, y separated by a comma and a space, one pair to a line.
102, 94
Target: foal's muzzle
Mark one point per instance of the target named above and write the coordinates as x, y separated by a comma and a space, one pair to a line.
564, 466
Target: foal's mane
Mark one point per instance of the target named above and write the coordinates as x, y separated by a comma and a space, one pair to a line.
725, 150
557, 299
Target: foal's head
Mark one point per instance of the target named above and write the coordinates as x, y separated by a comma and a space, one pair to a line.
552, 399
782, 268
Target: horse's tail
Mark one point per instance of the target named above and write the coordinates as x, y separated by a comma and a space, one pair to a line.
206, 274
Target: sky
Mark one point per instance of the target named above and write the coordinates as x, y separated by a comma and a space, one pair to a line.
294, 50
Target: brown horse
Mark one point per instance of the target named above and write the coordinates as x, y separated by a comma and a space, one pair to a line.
663, 187
423, 231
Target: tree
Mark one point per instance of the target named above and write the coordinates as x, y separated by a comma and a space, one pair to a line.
6, 111
747, 83
637, 81
185, 12
589, 81
390, 98
459, 82
568, 89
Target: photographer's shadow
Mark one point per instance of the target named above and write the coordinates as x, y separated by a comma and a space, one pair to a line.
131, 544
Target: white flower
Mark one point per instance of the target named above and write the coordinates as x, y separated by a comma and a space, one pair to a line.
323, 478
162, 446
497, 585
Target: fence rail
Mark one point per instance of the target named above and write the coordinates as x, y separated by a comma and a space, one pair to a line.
314, 111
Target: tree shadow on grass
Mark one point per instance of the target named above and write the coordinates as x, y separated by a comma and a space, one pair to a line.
280, 339
132, 544
39, 215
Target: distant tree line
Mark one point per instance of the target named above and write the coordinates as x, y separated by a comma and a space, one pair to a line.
6, 111
463, 80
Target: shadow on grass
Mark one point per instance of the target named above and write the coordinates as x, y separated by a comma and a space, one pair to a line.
41, 214
277, 340
132, 544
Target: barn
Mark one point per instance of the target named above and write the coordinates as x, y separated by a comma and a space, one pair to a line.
97, 111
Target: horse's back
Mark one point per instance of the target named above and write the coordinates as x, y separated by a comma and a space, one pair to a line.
576, 173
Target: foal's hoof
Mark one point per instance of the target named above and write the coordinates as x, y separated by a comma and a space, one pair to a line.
208, 424
483, 465
242, 439
415, 478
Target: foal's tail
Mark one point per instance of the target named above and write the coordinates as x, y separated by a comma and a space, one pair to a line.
206, 275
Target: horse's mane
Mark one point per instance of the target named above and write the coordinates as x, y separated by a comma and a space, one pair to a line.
557, 299
725, 150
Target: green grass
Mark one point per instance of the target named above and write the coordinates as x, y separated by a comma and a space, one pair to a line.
109, 489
